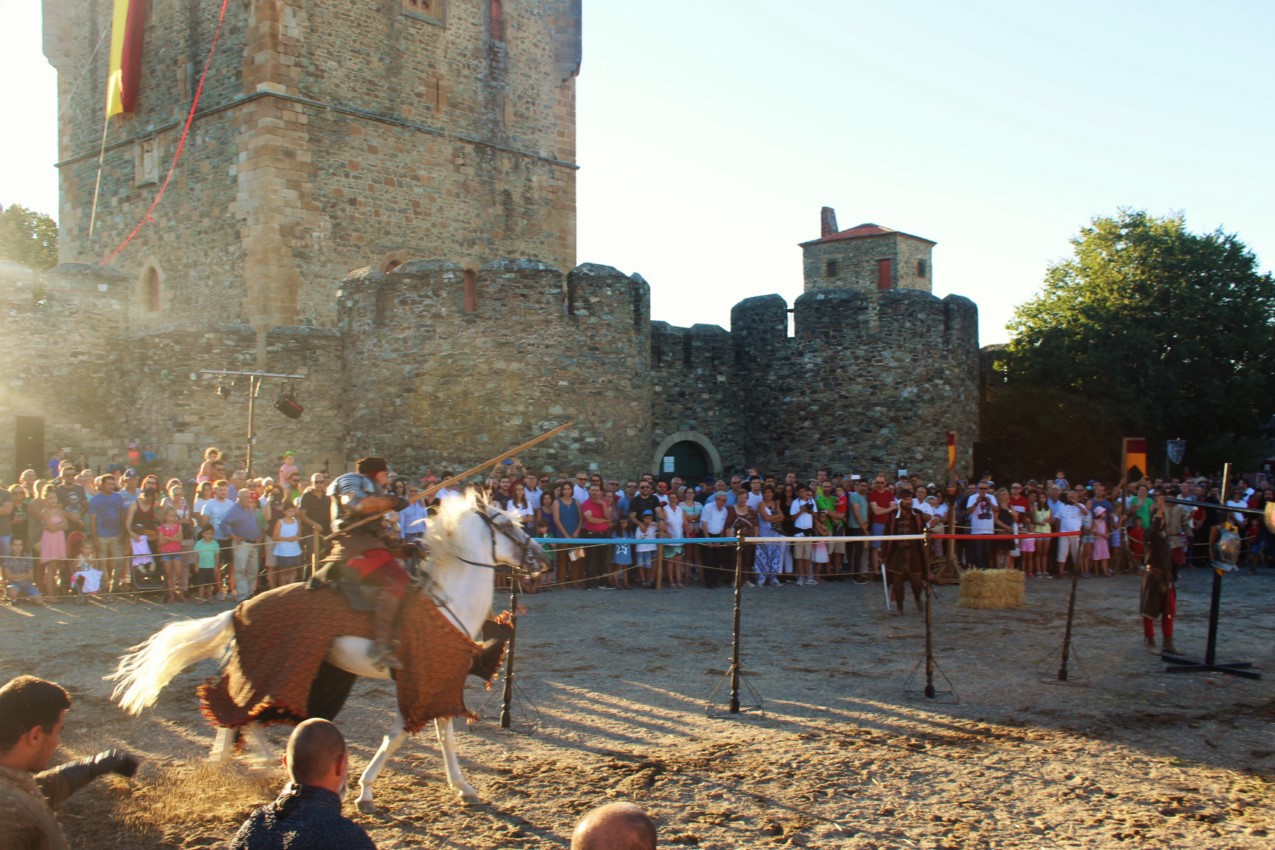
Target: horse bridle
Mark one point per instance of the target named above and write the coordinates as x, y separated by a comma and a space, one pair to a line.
529, 565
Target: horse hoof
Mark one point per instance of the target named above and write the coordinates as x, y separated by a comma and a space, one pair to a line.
367, 807
469, 797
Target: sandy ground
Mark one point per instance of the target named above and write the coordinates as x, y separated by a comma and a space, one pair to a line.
618, 698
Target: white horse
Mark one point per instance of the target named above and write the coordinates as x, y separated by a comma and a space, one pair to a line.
468, 543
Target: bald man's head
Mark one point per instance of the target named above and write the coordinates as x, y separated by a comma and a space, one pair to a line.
615, 826
314, 749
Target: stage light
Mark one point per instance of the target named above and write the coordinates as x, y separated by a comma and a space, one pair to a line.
223, 392
287, 405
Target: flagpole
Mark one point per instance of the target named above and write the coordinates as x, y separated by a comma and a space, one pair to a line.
97, 185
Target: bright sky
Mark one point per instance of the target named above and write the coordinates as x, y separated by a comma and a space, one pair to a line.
710, 133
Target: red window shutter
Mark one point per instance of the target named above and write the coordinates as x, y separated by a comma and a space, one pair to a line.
471, 291
884, 278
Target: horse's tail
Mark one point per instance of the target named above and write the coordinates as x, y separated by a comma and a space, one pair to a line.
152, 664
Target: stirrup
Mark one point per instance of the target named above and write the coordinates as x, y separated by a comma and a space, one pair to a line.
382, 655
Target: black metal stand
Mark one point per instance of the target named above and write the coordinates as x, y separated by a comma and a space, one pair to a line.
1181, 664
510, 692
507, 697
931, 664
735, 673
1067, 649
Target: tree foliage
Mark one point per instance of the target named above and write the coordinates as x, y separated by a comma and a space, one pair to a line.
28, 237
1150, 329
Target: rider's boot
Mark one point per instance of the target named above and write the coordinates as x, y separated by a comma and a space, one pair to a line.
383, 642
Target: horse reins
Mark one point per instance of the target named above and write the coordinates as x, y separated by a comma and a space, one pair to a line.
521, 570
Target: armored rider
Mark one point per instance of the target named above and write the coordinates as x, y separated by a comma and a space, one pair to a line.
362, 553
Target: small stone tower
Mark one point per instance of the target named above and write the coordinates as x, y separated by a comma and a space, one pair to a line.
866, 258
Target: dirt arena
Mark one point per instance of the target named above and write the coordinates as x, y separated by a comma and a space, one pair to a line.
613, 690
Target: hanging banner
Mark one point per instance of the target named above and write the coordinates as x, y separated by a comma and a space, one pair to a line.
129, 21
1176, 450
1135, 458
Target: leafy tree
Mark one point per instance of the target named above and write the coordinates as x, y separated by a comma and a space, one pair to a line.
1148, 329
28, 237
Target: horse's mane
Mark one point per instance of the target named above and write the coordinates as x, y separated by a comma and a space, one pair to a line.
444, 524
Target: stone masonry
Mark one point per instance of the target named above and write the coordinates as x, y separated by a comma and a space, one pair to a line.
431, 145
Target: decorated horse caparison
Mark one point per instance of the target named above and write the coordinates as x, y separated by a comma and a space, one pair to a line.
294, 652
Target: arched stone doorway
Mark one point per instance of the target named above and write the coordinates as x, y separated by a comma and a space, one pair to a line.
687, 454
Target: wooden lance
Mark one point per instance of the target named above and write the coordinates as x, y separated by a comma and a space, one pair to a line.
447, 482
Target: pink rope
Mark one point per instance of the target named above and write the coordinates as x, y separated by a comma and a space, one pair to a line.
181, 144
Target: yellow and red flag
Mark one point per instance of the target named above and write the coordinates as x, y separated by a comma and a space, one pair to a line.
1135, 458
126, 56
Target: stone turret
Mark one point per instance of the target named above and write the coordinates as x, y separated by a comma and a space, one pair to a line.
866, 258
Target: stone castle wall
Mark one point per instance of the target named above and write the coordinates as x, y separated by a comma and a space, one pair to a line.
60, 359
194, 238
96, 384
868, 383
695, 390
326, 130
439, 369
441, 387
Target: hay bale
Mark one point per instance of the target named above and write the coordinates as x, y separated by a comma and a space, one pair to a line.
991, 589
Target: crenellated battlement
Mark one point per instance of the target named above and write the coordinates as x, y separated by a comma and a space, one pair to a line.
437, 144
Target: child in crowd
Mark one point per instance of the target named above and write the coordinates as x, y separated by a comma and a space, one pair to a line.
819, 551
86, 581
287, 548
207, 550
19, 573
622, 555
207, 470
170, 555
1101, 552
53, 549
646, 530
143, 566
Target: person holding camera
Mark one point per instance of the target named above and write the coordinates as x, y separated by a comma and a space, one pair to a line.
981, 508
802, 513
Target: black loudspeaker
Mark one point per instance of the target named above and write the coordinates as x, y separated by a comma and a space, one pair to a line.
288, 407
29, 444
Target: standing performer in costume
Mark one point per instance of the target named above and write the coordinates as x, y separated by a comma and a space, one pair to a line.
905, 560
1159, 594
362, 553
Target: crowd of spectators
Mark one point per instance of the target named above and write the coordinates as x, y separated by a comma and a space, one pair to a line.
222, 535
1108, 523
216, 534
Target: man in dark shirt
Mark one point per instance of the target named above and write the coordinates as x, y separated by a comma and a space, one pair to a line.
1205, 517
644, 501
316, 515
71, 496
308, 812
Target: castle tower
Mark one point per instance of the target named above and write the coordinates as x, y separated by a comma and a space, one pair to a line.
867, 258
326, 132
